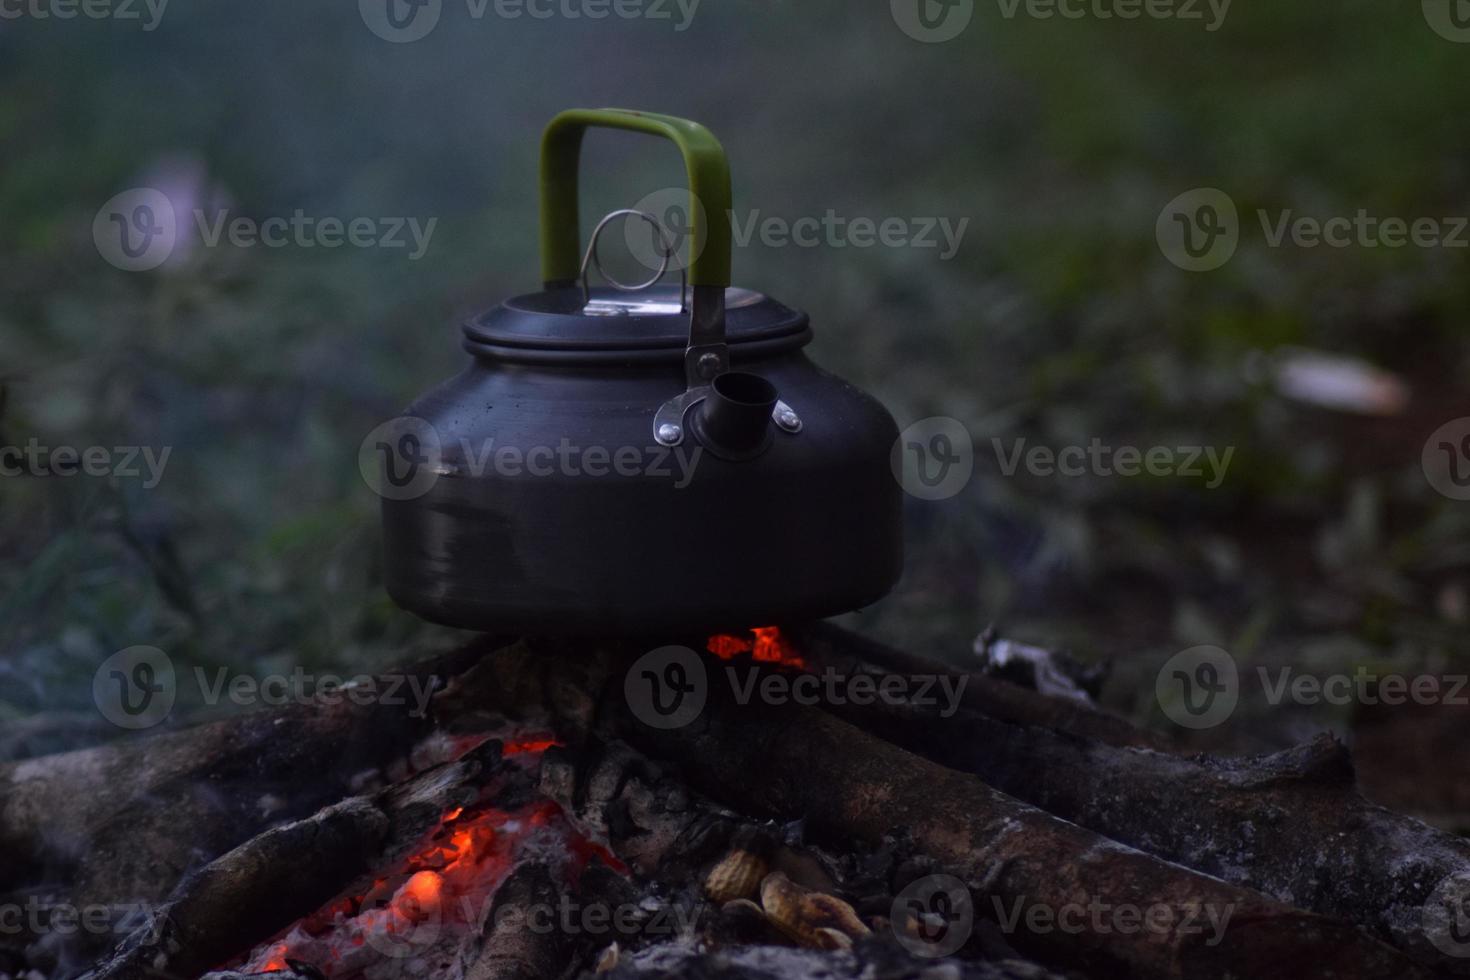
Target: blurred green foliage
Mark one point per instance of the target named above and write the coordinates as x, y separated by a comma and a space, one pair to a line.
1059, 320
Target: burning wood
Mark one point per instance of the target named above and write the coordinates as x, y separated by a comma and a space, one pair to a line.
851, 786
1292, 825
581, 836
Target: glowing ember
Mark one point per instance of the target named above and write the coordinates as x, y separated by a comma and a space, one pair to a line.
765, 644
437, 897
534, 745
277, 960
435, 900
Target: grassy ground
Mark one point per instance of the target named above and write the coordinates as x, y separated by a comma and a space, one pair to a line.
1059, 320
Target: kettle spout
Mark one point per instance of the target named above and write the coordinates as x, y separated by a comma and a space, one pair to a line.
736, 414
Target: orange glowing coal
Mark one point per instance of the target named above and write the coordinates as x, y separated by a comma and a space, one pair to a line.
439, 892
418, 899
765, 644
277, 959
534, 745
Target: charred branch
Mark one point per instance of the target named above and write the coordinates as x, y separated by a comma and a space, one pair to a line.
1292, 825
849, 653
129, 818
259, 888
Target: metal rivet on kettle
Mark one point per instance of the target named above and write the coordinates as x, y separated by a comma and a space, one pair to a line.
709, 365
787, 419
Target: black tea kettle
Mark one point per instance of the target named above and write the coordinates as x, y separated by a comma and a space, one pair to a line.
632, 460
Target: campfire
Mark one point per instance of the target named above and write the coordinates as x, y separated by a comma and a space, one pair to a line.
536, 824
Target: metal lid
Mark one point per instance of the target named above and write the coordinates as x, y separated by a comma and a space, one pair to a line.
703, 323
651, 325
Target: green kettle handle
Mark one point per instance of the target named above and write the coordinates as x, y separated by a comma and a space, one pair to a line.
709, 189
